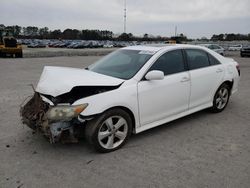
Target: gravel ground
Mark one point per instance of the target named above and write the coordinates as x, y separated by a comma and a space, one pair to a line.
56, 52
200, 150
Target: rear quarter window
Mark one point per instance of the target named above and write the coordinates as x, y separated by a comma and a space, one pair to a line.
213, 60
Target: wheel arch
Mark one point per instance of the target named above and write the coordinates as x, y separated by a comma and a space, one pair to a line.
131, 114
229, 83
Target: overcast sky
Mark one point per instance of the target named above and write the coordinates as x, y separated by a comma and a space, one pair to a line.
194, 18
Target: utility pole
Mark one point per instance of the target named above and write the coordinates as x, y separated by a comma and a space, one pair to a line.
175, 33
125, 15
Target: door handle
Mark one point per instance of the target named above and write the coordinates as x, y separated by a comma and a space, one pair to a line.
219, 70
185, 79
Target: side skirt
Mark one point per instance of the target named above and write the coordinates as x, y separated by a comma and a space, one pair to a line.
171, 118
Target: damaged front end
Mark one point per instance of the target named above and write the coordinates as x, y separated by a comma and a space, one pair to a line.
55, 122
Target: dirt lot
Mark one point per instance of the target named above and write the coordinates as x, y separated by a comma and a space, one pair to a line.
56, 52
201, 150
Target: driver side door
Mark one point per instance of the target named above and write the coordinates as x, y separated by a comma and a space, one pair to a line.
160, 99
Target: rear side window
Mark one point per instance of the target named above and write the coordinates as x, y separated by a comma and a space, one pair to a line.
213, 60
197, 59
170, 63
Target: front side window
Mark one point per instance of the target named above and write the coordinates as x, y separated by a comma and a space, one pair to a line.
170, 63
197, 59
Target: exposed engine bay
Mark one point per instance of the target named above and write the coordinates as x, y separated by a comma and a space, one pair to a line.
79, 92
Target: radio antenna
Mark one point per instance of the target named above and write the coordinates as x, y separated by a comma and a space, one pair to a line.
125, 15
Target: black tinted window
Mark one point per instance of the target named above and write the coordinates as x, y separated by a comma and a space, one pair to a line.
197, 59
213, 60
170, 63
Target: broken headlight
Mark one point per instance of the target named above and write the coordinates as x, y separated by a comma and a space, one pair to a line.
65, 113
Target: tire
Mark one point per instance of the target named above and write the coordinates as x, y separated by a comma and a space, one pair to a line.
104, 132
19, 55
221, 98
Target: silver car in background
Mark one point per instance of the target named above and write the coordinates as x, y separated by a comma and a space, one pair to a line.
215, 48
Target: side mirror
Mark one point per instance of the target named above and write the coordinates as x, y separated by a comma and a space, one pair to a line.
155, 75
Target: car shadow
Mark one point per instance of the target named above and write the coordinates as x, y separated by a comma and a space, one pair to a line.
175, 124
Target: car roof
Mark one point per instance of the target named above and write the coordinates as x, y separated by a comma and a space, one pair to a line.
157, 47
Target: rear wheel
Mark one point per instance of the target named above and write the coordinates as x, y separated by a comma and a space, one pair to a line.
221, 98
109, 131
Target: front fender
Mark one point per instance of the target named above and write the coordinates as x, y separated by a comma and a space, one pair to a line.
124, 96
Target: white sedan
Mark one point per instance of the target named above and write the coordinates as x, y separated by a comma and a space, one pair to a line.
129, 91
235, 47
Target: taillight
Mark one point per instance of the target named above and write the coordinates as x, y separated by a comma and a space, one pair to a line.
238, 68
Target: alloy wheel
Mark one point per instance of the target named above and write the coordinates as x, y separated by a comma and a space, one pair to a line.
112, 132
222, 98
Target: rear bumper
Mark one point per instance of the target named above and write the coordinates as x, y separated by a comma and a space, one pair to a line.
235, 85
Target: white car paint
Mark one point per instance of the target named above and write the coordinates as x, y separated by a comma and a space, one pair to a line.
235, 47
55, 81
154, 102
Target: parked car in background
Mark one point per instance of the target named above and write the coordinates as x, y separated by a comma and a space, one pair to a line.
215, 48
129, 91
235, 47
36, 45
245, 51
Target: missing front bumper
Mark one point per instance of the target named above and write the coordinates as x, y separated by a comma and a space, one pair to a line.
33, 114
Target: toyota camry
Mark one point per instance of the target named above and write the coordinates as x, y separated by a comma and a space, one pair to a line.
129, 91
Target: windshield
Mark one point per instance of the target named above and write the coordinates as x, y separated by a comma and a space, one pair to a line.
122, 64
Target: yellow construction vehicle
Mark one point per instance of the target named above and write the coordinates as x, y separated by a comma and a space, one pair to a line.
10, 47
170, 42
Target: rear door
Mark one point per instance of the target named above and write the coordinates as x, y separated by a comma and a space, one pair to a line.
206, 74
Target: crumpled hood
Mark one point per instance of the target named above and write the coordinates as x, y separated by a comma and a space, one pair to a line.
55, 81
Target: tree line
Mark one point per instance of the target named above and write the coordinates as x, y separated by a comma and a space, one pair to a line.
230, 37
32, 32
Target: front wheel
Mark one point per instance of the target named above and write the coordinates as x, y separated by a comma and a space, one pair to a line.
221, 98
19, 55
109, 131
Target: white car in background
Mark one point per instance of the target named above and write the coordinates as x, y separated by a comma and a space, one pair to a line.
215, 48
129, 91
235, 47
